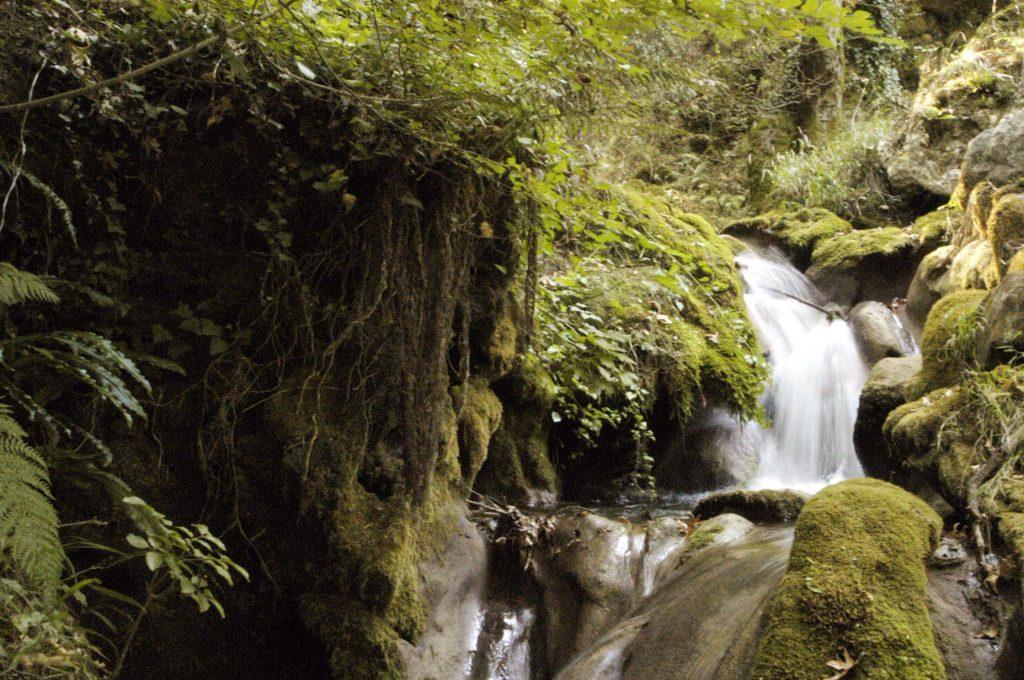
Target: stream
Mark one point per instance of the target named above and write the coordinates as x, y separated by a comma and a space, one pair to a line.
617, 601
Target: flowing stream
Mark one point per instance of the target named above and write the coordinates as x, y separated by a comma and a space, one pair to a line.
817, 374
703, 622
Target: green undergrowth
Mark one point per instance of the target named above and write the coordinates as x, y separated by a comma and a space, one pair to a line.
662, 310
855, 584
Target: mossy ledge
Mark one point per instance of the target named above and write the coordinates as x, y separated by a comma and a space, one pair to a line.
947, 347
797, 232
847, 250
856, 582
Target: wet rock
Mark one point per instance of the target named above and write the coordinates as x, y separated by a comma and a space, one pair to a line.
704, 621
950, 552
879, 332
1003, 330
997, 154
768, 506
962, 611
453, 585
715, 451
856, 579
884, 391
588, 580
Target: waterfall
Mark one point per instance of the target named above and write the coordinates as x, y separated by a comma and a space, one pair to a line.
816, 377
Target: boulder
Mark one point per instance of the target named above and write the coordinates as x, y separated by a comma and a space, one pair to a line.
1003, 331
880, 333
769, 506
997, 154
856, 582
964, 97
1005, 226
588, 579
884, 391
926, 287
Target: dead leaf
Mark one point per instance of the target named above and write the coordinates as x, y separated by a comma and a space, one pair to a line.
843, 666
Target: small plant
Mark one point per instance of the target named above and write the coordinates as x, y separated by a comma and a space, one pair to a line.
839, 174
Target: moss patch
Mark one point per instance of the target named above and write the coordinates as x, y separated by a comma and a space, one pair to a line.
796, 231
856, 581
1006, 227
938, 226
845, 251
947, 346
478, 421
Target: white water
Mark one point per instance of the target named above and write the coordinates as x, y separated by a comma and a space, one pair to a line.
817, 374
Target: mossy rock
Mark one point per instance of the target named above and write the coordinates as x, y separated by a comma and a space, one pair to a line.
517, 466
1016, 264
796, 232
847, 250
948, 343
1006, 226
884, 391
478, 421
1002, 336
938, 226
856, 582
771, 506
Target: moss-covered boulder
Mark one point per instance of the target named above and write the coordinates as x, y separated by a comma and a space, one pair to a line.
855, 584
950, 269
937, 227
924, 438
796, 232
1002, 334
948, 343
846, 251
884, 391
1006, 226
769, 506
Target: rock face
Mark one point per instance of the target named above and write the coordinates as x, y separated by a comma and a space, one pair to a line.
856, 581
968, 95
880, 333
997, 154
884, 391
757, 506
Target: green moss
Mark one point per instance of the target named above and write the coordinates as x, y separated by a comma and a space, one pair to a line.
703, 536
518, 463
798, 230
479, 419
938, 226
845, 251
502, 345
947, 346
856, 581
1006, 227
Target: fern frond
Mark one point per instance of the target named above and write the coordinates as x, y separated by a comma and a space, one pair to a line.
29, 541
46, 190
17, 286
83, 357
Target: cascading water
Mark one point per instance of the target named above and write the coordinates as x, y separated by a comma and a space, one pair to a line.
817, 374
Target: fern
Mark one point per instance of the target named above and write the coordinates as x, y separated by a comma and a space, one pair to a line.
29, 541
17, 286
